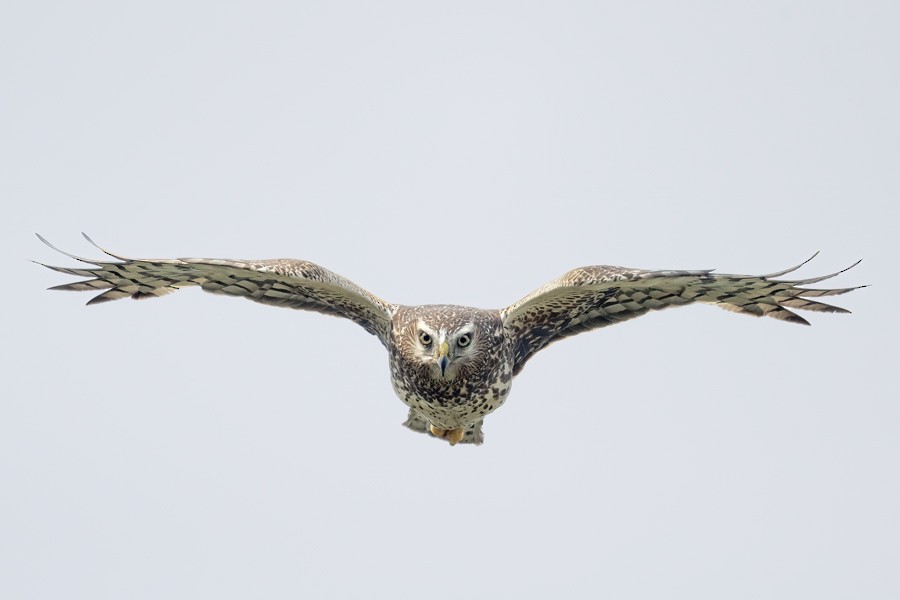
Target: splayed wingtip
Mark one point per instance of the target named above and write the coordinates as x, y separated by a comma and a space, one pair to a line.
790, 269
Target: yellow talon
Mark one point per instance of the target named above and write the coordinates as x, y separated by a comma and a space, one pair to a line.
455, 435
451, 435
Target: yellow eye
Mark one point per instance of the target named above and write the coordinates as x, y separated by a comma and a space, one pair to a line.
424, 338
463, 340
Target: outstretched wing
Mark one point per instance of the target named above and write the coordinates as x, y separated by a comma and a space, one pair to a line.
281, 282
592, 297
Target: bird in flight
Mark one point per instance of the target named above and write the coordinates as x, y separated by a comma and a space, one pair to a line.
454, 365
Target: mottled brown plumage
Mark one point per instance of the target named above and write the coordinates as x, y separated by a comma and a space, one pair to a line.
454, 365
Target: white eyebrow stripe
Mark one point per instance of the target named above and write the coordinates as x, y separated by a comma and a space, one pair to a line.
467, 328
425, 328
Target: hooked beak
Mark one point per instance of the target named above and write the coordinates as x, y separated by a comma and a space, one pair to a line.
443, 359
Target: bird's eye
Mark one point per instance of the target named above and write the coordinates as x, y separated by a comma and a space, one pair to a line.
463, 340
424, 338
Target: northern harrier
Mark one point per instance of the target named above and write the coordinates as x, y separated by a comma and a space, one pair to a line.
453, 365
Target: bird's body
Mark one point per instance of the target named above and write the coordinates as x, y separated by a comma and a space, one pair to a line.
456, 401
454, 365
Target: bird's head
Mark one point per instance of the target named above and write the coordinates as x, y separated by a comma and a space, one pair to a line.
445, 350
446, 342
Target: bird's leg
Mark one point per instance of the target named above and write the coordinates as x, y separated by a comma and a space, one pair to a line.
451, 435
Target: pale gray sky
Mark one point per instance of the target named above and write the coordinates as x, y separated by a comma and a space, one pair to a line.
466, 152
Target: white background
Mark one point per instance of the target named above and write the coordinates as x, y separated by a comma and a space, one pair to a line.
467, 152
